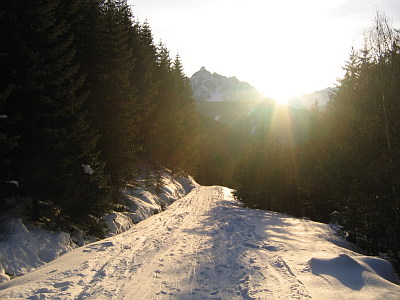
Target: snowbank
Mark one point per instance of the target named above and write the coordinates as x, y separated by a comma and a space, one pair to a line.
26, 247
143, 204
207, 245
352, 272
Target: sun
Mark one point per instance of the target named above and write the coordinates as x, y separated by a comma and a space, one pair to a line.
281, 95
281, 100
280, 88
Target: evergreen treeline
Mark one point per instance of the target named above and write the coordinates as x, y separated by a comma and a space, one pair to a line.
219, 147
84, 88
88, 101
348, 168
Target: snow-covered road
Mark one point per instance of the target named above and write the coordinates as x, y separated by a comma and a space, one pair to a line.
206, 246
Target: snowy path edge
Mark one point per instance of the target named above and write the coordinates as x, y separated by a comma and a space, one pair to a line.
28, 247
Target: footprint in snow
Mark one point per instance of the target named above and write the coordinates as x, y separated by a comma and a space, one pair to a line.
37, 297
270, 248
101, 273
81, 282
251, 245
214, 292
101, 246
62, 284
42, 290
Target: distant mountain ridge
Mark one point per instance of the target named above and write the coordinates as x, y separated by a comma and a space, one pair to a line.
306, 101
212, 87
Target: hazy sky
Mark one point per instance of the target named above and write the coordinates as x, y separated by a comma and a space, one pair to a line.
282, 47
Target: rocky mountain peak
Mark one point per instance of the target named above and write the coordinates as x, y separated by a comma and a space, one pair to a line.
213, 87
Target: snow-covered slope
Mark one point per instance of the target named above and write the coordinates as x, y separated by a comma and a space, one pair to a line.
213, 87
26, 247
206, 246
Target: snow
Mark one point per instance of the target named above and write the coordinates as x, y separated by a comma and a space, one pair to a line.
216, 88
207, 246
24, 248
144, 204
359, 271
13, 182
118, 222
87, 169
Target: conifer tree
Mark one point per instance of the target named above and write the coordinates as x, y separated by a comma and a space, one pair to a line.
158, 142
112, 98
143, 79
86, 97
187, 136
366, 131
46, 109
9, 35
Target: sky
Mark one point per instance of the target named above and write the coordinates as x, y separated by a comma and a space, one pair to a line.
284, 48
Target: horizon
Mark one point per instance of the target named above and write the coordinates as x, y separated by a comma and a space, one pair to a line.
304, 54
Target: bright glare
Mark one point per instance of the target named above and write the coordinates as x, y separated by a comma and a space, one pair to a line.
281, 101
286, 46
283, 48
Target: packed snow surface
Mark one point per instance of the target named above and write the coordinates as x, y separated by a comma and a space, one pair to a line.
207, 246
25, 247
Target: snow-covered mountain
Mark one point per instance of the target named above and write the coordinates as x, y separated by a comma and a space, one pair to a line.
206, 245
306, 101
212, 87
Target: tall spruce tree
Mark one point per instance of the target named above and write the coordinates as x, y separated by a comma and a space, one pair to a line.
158, 142
143, 79
365, 134
86, 97
112, 99
187, 133
10, 36
46, 109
